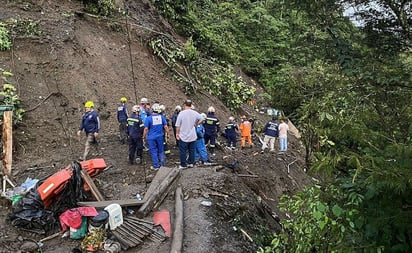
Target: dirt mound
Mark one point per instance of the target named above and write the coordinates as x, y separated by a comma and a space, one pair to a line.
76, 58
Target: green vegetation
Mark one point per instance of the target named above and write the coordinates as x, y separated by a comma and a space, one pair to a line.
9, 97
347, 88
101, 7
5, 41
195, 71
23, 27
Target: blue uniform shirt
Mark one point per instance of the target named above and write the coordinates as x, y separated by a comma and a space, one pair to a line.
271, 128
231, 128
155, 123
122, 113
135, 126
90, 122
212, 125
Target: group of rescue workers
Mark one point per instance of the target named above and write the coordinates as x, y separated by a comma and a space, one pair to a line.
147, 128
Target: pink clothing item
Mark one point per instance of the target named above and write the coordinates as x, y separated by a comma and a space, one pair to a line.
283, 129
73, 217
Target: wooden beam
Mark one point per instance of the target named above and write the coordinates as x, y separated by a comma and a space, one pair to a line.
7, 139
89, 181
177, 242
156, 198
103, 204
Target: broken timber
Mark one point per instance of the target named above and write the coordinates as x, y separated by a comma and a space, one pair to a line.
103, 204
177, 242
156, 197
157, 180
96, 193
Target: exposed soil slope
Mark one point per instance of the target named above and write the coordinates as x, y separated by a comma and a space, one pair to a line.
78, 58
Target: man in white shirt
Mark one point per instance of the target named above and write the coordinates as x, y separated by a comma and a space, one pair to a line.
186, 123
283, 135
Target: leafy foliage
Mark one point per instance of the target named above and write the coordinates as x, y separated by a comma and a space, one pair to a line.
323, 220
196, 71
9, 97
348, 89
23, 27
5, 41
101, 7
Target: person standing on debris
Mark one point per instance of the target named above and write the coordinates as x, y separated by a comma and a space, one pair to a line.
246, 132
212, 127
135, 129
178, 108
230, 133
186, 123
122, 116
271, 132
154, 135
201, 151
283, 135
90, 124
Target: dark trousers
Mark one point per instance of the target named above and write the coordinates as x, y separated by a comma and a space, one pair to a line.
183, 148
135, 148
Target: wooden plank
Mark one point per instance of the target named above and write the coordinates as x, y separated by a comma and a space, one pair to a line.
89, 181
177, 242
154, 199
160, 175
7, 139
103, 204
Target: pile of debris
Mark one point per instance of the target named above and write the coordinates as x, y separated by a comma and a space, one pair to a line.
58, 206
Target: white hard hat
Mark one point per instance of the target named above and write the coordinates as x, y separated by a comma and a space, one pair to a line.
156, 108
144, 101
135, 108
211, 109
162, 108
178, 108
231, 118
203, 115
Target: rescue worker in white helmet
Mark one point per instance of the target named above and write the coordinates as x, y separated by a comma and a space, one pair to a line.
122, 116
144, 107
178, 108
212, 127
135, 129
201, 156
154, 135
90, 124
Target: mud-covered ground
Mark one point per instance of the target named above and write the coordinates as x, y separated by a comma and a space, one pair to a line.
78, 58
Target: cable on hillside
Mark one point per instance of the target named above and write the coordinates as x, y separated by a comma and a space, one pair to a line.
130, 53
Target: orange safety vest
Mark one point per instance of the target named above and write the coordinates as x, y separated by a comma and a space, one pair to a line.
245, 128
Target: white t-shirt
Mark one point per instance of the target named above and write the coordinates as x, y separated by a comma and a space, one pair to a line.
283, 130
186, 121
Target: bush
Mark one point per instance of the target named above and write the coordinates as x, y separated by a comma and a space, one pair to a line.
5, 42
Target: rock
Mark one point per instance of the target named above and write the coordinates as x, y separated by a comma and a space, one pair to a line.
29, 246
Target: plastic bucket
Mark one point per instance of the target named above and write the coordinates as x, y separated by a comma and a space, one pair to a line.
115, 215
